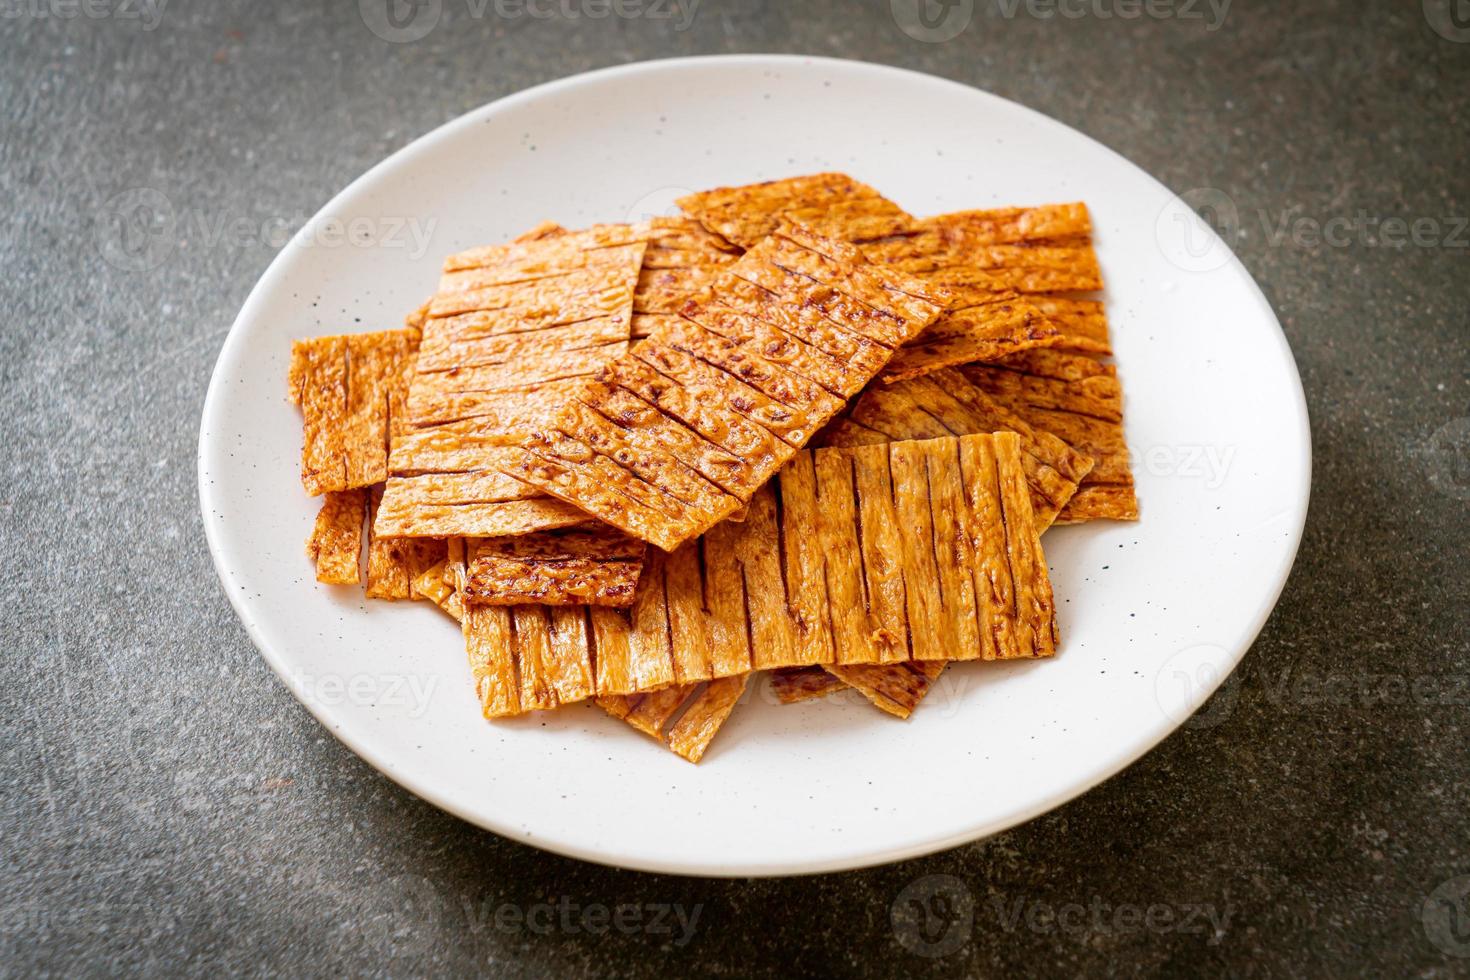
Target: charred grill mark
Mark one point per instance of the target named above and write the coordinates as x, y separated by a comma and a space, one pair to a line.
591, 634
704, 605
668, 620
514, 649
857, 514
749, 625
903, 579
781, 548
944, 600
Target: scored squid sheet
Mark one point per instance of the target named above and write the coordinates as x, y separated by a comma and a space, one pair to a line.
351, 390
511, 331
922, 550
991, 257
716, 404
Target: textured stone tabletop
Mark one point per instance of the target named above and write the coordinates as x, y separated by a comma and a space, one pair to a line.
167, 806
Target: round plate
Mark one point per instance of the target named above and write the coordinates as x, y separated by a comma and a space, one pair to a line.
1153, 615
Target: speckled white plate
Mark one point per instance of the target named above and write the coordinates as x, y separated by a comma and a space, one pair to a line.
1153, 615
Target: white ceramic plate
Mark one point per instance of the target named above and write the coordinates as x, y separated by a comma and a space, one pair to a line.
1153, 615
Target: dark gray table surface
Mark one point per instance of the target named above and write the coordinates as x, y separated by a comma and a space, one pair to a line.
167, 805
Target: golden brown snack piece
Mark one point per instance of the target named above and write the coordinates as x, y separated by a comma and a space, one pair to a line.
552, 664
700, 710
1046, 249
878, 554
976, 240
989, 255
705, 707
986, 258
947, 403
707, 404
795, 684
394, 564
1079, 400
434, 584
513, 330
478, 502
351, 390
696, 728
592, 566
1010, 226
682, 263
831, 204
896, 688
335, 545
984, 331
1082, 323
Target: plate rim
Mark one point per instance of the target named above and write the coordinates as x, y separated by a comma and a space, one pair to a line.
210, 419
